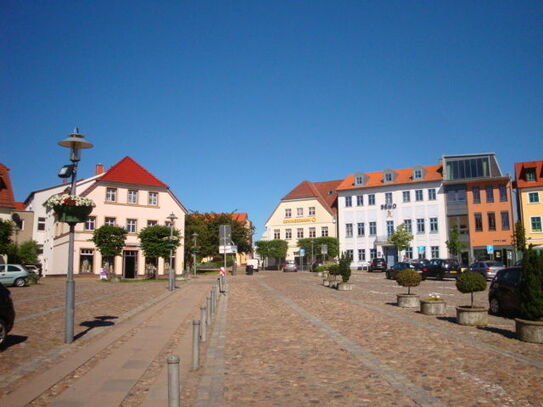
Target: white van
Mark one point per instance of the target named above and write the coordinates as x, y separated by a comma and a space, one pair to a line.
254, 263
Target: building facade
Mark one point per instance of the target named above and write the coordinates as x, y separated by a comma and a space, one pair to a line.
309, 210
529, 186
372, 205
479, 202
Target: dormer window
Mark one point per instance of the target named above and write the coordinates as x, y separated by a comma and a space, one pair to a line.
418, 173
359, 178
530, 174
388, 176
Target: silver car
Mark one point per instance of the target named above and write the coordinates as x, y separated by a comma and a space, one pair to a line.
487, 268
13, 274
290, 266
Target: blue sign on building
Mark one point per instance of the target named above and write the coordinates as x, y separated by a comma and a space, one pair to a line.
490, 249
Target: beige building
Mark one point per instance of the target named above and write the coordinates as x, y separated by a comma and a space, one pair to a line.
309, 210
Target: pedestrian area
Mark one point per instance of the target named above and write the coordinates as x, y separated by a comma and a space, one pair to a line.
282, 339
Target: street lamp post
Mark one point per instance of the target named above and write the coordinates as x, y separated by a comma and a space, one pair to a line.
75, 142
194, 237
171, 275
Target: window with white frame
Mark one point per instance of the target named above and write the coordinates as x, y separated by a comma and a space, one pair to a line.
288, 213
276, 234
361, 255
388, 197
390, 227
409, 253
111, 194
533, 197
153, 198
373, 228
300, 233
359, 180
373, 254
360, 200
348, 230
132, 197
311, 211
90, 223
131, 225
406, 196
408, 225
299, 212
349, 253
418, 195
110, 221
420, 225
435, 252
312, 232
324, 231
535, 222
371, 199
288, 234
433, 225
361, 229
41, 223
388, 177
348, 201
417, 174
153, 223
432, 194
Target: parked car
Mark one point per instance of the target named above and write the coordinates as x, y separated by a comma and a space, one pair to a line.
13, 274
378, 264
503, 294
290, 266
392, 271
441, 268
7, 313
487, 269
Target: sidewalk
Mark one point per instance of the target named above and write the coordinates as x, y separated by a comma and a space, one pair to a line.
132, 347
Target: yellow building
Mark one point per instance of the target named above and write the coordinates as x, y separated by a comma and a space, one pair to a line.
309, 210
529, 184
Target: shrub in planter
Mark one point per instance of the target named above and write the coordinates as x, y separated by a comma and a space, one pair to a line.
333, 269
344, 267
531, 287
408, 278
320, 269
470, 283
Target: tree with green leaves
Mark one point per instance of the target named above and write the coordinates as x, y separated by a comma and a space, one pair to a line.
344, 267
158, 240
332, 244
469, 283
401, 239
531, 286
6, 229
28, 252
519, 237
263, 248
109, 240
454, 244
272, 249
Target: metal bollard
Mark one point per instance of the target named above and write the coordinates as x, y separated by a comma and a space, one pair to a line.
195, 344
213, 301
208, 318
174, 388
203, 323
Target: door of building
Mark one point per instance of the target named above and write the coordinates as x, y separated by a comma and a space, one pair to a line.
130, 263
391, 255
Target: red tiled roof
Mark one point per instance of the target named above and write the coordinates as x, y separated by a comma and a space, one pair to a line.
403, 176
129, 171
7, 199
520, 174
319, 190
237, 216
20, 206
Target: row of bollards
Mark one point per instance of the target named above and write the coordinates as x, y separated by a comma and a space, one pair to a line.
199, 335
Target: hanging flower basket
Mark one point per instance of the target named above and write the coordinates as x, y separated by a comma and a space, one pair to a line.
70, 208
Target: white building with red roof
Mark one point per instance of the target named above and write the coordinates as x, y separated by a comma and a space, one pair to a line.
126, 195
309, 210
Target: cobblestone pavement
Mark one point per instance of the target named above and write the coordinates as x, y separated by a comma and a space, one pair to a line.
291, 341
36, 340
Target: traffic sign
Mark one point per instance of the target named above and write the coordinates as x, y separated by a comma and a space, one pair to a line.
490, 249
302, 252
324, 248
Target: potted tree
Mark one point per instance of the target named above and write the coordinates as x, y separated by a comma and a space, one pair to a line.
70, 208
345, 273
408, 278
331, 279
433, 305
109, 240
529, 326
471, 314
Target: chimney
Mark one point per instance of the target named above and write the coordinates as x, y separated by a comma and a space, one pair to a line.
99, 169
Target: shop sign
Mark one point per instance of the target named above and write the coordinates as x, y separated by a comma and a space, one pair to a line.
388, 206
300, 220
490, 249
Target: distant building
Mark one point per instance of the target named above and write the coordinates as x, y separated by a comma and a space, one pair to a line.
372, 205
529, 185
127, 195
309, 210
479, 202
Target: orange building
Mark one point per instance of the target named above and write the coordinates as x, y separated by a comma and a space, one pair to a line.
479, 203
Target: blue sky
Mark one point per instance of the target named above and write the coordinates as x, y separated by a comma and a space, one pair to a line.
233, 103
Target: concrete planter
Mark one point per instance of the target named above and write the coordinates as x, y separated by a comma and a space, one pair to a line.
433, 307
476, 316
319, 273
408, 300
345, 287
326, 283
529, 331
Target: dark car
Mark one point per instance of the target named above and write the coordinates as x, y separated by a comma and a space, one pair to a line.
392, 271
487, 269
441, 268
7, 313
503, 294
378, 264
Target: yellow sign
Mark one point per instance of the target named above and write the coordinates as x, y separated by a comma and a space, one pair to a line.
300, 220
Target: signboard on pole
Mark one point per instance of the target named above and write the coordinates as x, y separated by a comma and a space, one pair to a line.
225, 234
302, 252
490, 249
324, 248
